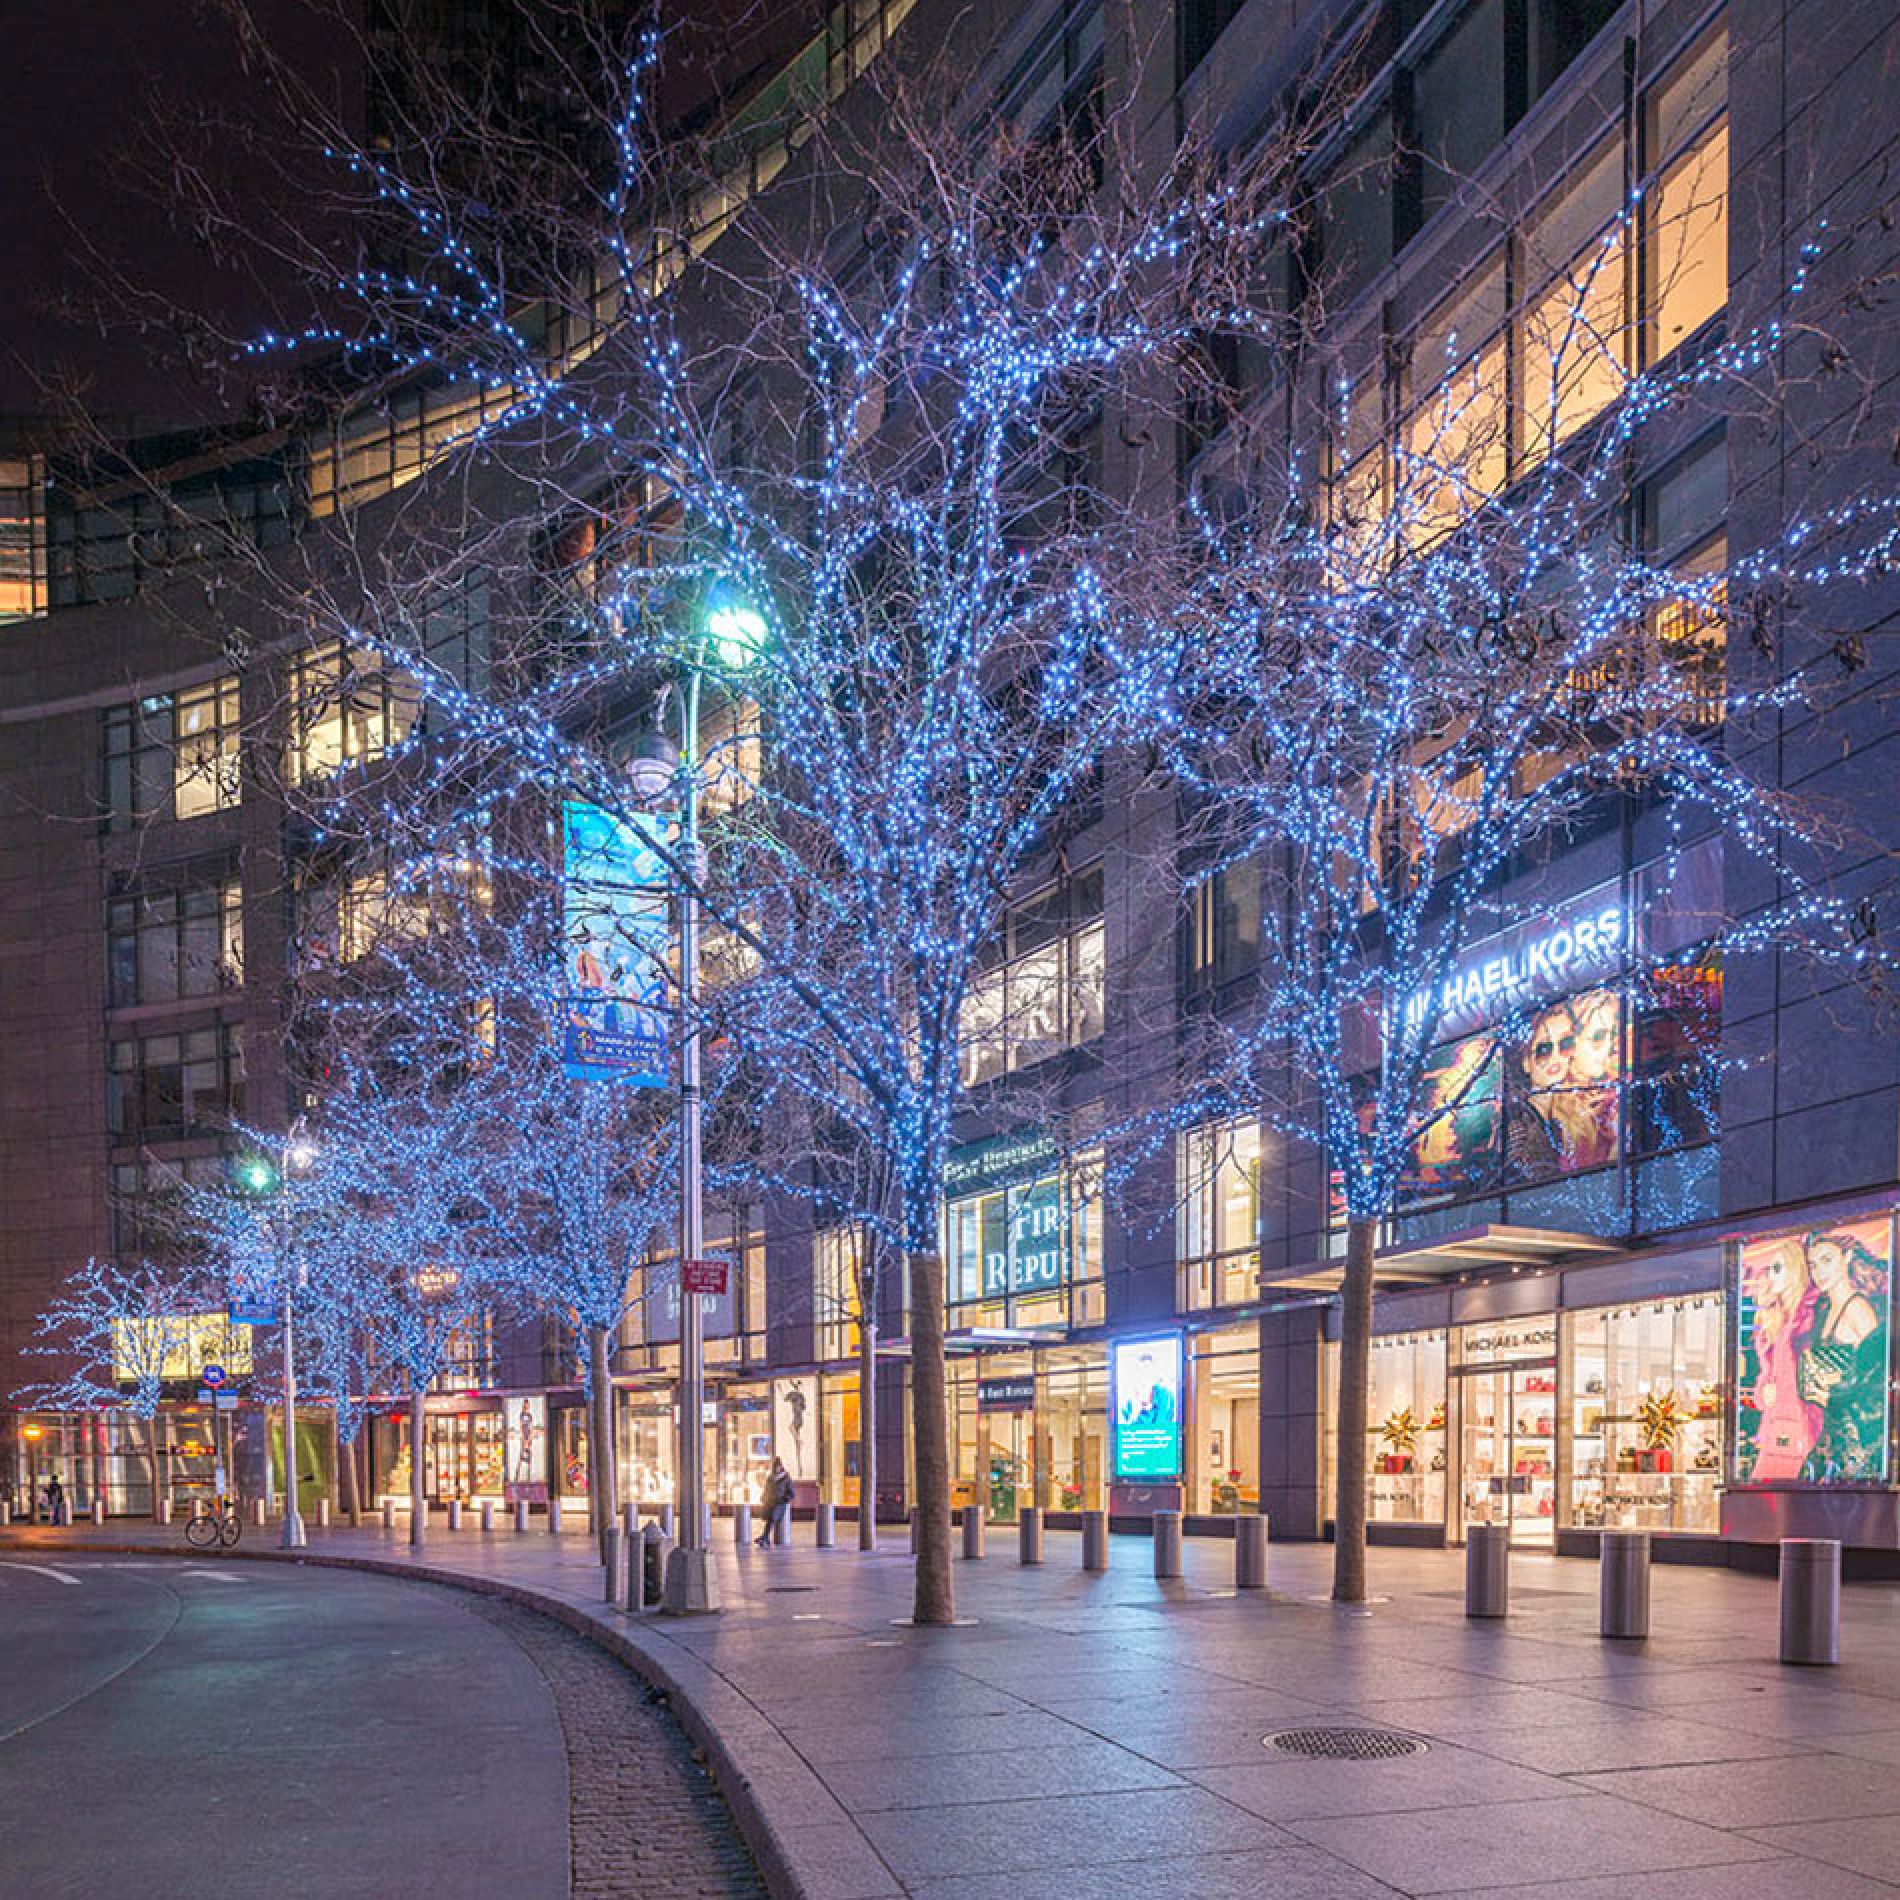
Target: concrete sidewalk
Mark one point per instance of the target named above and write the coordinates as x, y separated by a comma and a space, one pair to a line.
1105, 1734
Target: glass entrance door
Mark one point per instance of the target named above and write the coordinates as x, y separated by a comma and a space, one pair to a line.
1508, 1450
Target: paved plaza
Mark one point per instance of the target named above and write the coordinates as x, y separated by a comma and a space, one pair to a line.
1105, 1734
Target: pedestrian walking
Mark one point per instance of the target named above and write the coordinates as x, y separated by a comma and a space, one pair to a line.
55, 1500
775, 1501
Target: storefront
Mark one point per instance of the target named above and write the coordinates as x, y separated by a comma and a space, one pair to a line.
1223, 1440
1030, 1427
1571, 1401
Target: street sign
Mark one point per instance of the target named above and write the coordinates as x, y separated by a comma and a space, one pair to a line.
206, 1395
227, 1401
242, 1315
211, 1375
703, 1276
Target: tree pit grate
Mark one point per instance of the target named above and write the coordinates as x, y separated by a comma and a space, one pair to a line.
1345, 1744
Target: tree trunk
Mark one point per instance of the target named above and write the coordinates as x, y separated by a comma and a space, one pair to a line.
352, 1495
154, 1463
603, 1472
418, 1497
1355, 1379
935, 1595
867, 1417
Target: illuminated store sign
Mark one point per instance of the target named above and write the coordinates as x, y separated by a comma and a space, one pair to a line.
1529, 965
1145, 1383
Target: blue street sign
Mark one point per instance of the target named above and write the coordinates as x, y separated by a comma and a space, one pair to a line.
211, 1375
252, 1315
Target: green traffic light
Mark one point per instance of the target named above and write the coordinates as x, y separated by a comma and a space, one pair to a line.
257, 1175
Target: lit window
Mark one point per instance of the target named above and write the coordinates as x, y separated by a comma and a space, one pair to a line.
1685, 209
1046, 990
348, 708
1219, 1222
836, 1253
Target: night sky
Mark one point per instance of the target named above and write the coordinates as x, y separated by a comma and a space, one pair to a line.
76, 85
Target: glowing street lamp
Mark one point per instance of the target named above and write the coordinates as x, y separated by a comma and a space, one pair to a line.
735, 637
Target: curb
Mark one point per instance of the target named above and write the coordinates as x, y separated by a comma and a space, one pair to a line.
736, 1771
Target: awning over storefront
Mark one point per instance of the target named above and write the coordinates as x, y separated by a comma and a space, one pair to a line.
974, 1339
1489, 1248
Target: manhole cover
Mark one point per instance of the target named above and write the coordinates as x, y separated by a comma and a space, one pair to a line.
790, 1589
1345, 1744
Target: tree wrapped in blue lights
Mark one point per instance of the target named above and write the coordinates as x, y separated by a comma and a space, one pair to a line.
880, 458
1405, 697
124, 1334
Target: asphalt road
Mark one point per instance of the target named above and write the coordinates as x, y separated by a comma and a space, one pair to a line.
190, 1728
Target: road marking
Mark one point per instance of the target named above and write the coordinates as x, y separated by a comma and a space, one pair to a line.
43, 1570
217, 1576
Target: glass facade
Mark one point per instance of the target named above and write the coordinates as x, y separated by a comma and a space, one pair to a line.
1030, 1428
1223, 1450
1025, 1252
1409, 1451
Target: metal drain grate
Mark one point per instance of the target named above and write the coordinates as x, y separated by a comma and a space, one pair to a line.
1345, 1744
790, 1589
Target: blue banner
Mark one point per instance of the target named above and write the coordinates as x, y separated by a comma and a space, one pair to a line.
615, 929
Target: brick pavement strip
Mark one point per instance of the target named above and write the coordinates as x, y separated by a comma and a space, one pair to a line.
645, 1819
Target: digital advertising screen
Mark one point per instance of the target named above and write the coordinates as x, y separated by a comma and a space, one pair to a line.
1145, 1390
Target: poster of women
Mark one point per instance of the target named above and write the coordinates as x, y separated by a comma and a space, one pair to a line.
1814, 1322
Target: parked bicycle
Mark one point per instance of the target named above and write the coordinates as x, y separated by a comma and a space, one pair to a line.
217, 1524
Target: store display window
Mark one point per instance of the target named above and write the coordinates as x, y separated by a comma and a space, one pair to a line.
1503, 1393
1407, 1455
1224, 1436
646, 1450
1644, 1407
569, 1425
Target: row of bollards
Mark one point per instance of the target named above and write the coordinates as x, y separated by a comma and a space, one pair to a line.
1809, 1589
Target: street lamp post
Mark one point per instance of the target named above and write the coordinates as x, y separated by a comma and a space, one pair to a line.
295, 1155
736, 631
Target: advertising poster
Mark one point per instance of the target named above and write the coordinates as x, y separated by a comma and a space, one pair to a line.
1145, 1385
615, 931
1813, 1337
795, 1426
525, 1450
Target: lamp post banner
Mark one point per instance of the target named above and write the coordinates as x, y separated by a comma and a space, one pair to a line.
613, 1004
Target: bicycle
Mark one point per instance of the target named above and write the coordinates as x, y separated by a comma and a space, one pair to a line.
219, 1525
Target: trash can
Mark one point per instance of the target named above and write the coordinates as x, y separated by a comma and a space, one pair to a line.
973, 1530
1623, 1585
1811, 1601
1167, 1536
1029, 1535
1250, 1551
1487, 1570
1094, 1540
657, 1546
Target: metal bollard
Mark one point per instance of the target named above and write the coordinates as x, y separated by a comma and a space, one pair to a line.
1623, 1585
825, 1526
617, 1564
389, 1514
521, 1514
666, 1520
742, 1526
705, 1525
1167, 1535
1250, 1551
782, 1528
257, 1512
455, 1514
323, 1514
1094, 1540
554, 1517
1029, 1535
1811, 1600
973, 1530
99, 1511
6, 1513
1487, 1570
164, 1511
630, 1519
488, 1516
